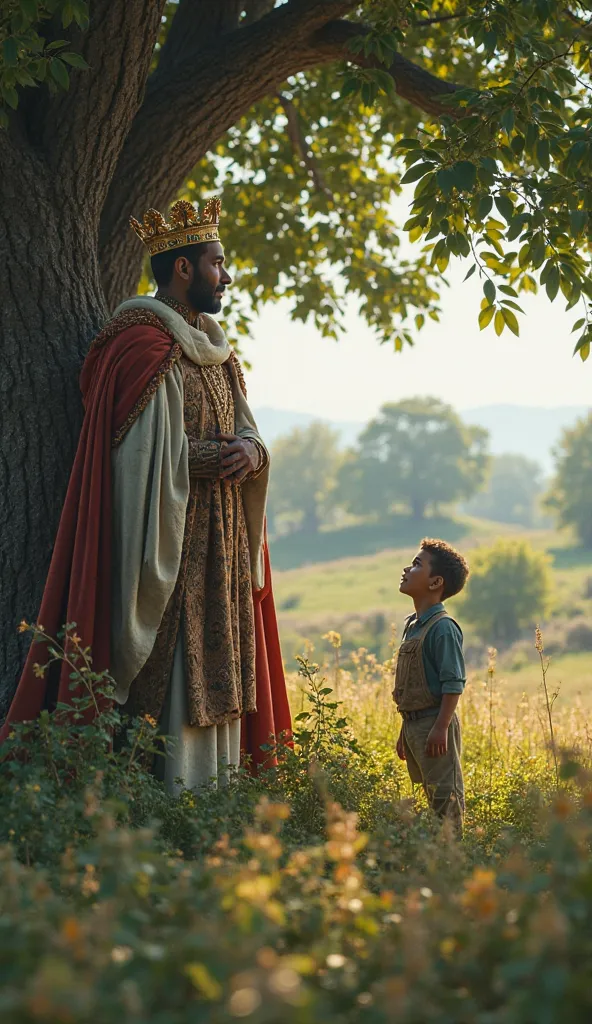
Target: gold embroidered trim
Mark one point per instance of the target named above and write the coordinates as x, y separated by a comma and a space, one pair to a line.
239, 373
148, 393
129, 318
219, 389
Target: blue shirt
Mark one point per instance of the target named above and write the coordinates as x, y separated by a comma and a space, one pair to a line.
443, 658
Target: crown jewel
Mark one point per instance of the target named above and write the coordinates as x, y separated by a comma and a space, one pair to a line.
186, 226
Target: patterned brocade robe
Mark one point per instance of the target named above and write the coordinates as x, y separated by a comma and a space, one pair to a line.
187, 551
212, 603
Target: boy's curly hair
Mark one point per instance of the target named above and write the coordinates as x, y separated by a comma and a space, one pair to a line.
447, 563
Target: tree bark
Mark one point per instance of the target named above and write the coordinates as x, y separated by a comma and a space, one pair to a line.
51, 305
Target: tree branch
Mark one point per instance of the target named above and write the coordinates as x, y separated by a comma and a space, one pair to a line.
185, 112
413, 83
300, 147
188, 110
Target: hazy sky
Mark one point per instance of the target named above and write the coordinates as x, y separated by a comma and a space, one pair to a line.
294, 368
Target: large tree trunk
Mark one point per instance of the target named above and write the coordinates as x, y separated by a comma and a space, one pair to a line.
51, 305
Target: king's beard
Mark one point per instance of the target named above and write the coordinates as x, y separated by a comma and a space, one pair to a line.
202, 299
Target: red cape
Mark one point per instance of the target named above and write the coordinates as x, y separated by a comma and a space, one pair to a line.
118, 377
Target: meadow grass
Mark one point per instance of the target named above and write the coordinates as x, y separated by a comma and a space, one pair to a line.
321, 893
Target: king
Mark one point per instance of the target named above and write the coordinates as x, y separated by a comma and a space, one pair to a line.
161, 557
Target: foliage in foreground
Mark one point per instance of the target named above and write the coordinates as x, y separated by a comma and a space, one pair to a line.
120, 902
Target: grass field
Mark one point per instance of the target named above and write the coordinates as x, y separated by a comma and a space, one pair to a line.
358, 595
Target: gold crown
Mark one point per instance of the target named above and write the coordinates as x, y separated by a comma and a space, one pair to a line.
186, 226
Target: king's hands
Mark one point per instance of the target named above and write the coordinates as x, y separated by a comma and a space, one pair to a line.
239, 458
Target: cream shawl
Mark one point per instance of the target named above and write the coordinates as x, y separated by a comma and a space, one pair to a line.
150, 474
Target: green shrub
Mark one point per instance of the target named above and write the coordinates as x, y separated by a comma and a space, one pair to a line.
508, 590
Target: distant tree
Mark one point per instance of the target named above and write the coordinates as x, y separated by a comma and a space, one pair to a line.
417, 452
570, 495
508, 591
305, 463
513, 487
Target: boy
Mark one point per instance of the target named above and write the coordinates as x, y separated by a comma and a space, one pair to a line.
430, 678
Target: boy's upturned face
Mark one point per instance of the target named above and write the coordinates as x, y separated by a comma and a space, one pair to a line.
417, 579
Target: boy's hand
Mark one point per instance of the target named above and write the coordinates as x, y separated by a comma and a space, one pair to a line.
437, 741
401, 748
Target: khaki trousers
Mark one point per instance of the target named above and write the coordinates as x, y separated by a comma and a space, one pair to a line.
441, 777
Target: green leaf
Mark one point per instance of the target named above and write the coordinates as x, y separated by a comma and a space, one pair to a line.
578, 220
10, 96
470, 272
484, 206
445, 179
507, 120
499, 323
489, 291
465, 175
552, 282
578, 324
511, 320
415, 172
514, 305
543, 153
10, 52
485, 316
505, 206
56, 45
76, 60
59, 72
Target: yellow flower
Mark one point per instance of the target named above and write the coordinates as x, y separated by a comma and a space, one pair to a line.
71, 930
538, 640
39, 670
23, 626
151, 721
481, 894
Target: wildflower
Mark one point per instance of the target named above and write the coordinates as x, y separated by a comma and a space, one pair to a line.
39, 670
121, 954
447, 947
71, 930
538, 640
76, 639
480, 894
203, 981
334, 638
23, 626
562, 806
284, 981
244, 1002
151, 721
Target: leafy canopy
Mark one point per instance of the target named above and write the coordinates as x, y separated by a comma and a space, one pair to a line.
416, 452
500, 167
508, 590
571, 492
29, 53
